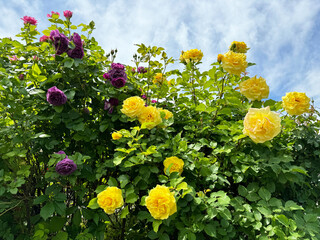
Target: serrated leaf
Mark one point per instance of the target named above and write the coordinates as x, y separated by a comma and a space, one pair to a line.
47, 210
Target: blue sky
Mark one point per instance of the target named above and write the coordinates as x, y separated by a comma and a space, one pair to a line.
283, 35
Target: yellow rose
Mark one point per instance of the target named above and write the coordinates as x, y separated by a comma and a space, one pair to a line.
254, 88
219, 58
161, 202
132, 106
193, 55
261, 124
150, 115
110, 199
296, 103
177, 164
159, 78
234, 63
167, 112
116, 136
238, 47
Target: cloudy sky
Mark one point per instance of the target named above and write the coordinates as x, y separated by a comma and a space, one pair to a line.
283, 35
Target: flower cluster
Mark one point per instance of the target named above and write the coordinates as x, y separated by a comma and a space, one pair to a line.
116, 75
296, 103
174, 164
193, 55
110, 199
254, 88
52, 12
238, 47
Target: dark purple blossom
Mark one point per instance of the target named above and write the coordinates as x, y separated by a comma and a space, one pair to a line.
86, 110
117, 66
60, 152
110, 104
106, 76
60, 41
116, 73
21, 76
56, 97
142, 70
66, 167
118, 82
77, 52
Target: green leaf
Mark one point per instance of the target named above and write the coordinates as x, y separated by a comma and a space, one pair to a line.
47, 210
156, 224
283, 220
93, 204
124, 212
68, 62
264, 193
112, 182
131, 198
58, 109
182, 185
242, 191
210, 229
291, 205
201, 107
61, 236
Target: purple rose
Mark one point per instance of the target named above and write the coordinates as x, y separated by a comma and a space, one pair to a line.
153, 101
76, 40
77, 52
110, 104
56, 97
114, 101
118, 82
106, 76
60, 152
66, 167
21, 76
144, 96
116, 73
142, 70
60, 41
117, 66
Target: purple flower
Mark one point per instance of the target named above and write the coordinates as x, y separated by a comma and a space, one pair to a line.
67, 14
116, 73
153, 101
144, 96
106, 76
117, 66
21, 76
56, 97
118, 82
61, 152
86, 110
66, 167
76, 39
142, 70
77, 52
60, 41
110, 104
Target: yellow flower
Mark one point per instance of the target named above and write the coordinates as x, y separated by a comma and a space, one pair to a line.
161, 202
133, 106
159, 78
261, 124
254, 88
110, 199
296, 103
116, 136
176, 164
150, 115
193, 55
234, 63
219, 58
167, 112
238, 47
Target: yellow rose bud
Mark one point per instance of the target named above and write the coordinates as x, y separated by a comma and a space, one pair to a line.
150, 115
238, 47
254, 88
110, 199
175, 163
296, 103
116, 136
133, 106
161, 202
234, 63
261, 125
219, 58
193, 55
167, 112
159, 78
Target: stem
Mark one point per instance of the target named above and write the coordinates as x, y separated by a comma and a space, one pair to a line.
193, 88
10, 208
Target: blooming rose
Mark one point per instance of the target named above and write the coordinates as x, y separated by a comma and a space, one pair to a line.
175, 163
238, 47
132, 106
117, 66
193, 55
77, 52
219, 58
44, 38
56, 97
159, 78
67, 14
142, 70
106, 76
234, 63
167, 112
161, 202
52, 12
254, 88
30, 20
261, 124
150, 116
110, 199
116, 136
60, 41
66, 166
61, 152
110, 104
296, 103
118, 82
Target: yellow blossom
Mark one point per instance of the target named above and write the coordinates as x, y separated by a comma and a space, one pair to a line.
167, 112
193, 55
261, 125
219, 58
116, 136
150, 116
159, 78
254, 88
296, 103
238, 47
133, 106
175, 163
110, 199
161, 202
234, 63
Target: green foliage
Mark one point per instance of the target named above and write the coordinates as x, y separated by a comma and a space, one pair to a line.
230, 187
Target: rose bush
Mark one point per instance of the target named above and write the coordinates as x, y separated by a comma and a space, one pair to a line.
158, 154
